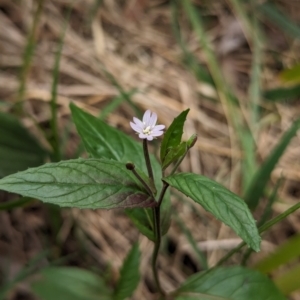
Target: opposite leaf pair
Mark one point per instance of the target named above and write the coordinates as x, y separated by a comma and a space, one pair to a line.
105, 183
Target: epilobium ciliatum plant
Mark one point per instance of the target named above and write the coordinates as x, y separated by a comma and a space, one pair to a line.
121, 173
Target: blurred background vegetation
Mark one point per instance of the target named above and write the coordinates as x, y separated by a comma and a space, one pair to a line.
234, 63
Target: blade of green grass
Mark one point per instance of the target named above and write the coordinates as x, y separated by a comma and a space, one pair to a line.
126, 95
249, 165
241, 13
204, 220
9, 205
93, 12
114, 104
227, 99
188, 58
261, 229
271, 200
199, 253
280, 19
28, 54
247, 136
53, 103
257, 186
254, 93
65, 138
212, 62
265, 216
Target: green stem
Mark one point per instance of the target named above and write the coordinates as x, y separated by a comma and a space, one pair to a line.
156, 220
190, 143
179, 162
28, 55
162, 193
261, 229
157, 231
131, 167
147, 159
54, 139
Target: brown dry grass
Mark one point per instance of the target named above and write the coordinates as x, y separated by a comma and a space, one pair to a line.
133, 41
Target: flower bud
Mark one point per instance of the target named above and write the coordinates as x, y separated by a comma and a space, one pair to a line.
130, 166
192, 141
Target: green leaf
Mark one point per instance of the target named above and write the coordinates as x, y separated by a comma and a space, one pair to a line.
82, 183
102, 140
18, 149
282, 255
198, 252
165, 212
233, 283
262, 176
222, 203
172, 137
288, 282
142, 219
282, 94
129, 275
174, 154
291, 76
69, 283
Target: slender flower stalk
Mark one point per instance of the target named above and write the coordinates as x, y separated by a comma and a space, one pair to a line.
147, 159
148, 130
131, 167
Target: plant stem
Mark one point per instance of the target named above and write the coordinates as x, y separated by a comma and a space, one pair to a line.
147, 159
28, 55
190, 143
157, 231
179, 162
162, 193
156, 219
131, 167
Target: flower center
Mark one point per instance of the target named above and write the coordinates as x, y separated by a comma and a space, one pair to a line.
147, 130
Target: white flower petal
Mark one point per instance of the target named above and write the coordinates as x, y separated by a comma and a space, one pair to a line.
153, 119
149, 138
142, 136
138, 122
147, 129
146, 117
158, 127
157, 133
135, 127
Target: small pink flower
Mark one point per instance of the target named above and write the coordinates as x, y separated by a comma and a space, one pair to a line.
147, 129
